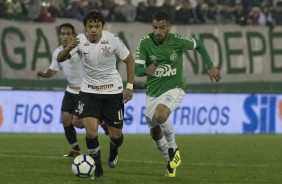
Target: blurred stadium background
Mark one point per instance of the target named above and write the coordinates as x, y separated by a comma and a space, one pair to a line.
243, 38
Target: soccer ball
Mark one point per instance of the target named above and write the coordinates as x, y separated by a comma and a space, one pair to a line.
83, 166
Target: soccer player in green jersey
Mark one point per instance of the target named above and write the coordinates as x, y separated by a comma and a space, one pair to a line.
159, 56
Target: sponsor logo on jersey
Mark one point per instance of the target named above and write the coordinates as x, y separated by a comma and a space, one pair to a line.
104, 42
101, 87
164, 71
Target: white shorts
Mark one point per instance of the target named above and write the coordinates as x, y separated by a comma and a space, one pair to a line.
171, 99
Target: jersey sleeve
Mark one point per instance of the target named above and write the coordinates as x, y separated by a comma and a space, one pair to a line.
55, 64
186, 42
140, 58
121, 50
141, 54
204, 53
189, 43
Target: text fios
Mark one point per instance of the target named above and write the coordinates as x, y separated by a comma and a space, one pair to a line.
33, 113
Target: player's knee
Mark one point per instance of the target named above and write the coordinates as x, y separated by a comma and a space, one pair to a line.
91, 134
159, 118
118, 142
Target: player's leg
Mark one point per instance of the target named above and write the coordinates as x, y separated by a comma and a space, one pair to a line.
92, 143
167, 103
68, 107
90, 113
116, 140
166, 134
70, 134
159, 140
155, 130
76, 121
113, 112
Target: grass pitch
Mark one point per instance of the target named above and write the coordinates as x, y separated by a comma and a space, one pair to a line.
211, 159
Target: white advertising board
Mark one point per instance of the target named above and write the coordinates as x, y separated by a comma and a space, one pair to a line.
40, 112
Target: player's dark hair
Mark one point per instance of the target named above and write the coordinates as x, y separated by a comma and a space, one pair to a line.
94, 15
161, 16
68, 25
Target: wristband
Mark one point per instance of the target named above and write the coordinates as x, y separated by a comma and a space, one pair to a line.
129, 86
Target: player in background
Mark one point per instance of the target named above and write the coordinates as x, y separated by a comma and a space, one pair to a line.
73, 72
72, 69
102, 92
159, 57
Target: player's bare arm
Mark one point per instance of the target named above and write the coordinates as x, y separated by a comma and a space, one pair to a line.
128, 92
48, 74
64, 54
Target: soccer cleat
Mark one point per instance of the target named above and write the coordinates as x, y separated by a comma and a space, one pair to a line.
97, 177
171, 173
113, 163
174, 157
73, 153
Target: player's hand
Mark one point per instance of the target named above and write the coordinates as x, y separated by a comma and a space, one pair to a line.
74, 43
214, 74
151, 69
127, 95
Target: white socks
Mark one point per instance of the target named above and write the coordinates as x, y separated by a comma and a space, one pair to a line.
162, 146
168, 140
168, 132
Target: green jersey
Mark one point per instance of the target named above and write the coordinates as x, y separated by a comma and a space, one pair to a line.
168, 57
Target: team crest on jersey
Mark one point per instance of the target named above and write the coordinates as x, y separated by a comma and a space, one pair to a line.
106, 51
173, 57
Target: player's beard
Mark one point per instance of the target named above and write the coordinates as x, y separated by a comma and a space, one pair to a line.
160, 39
